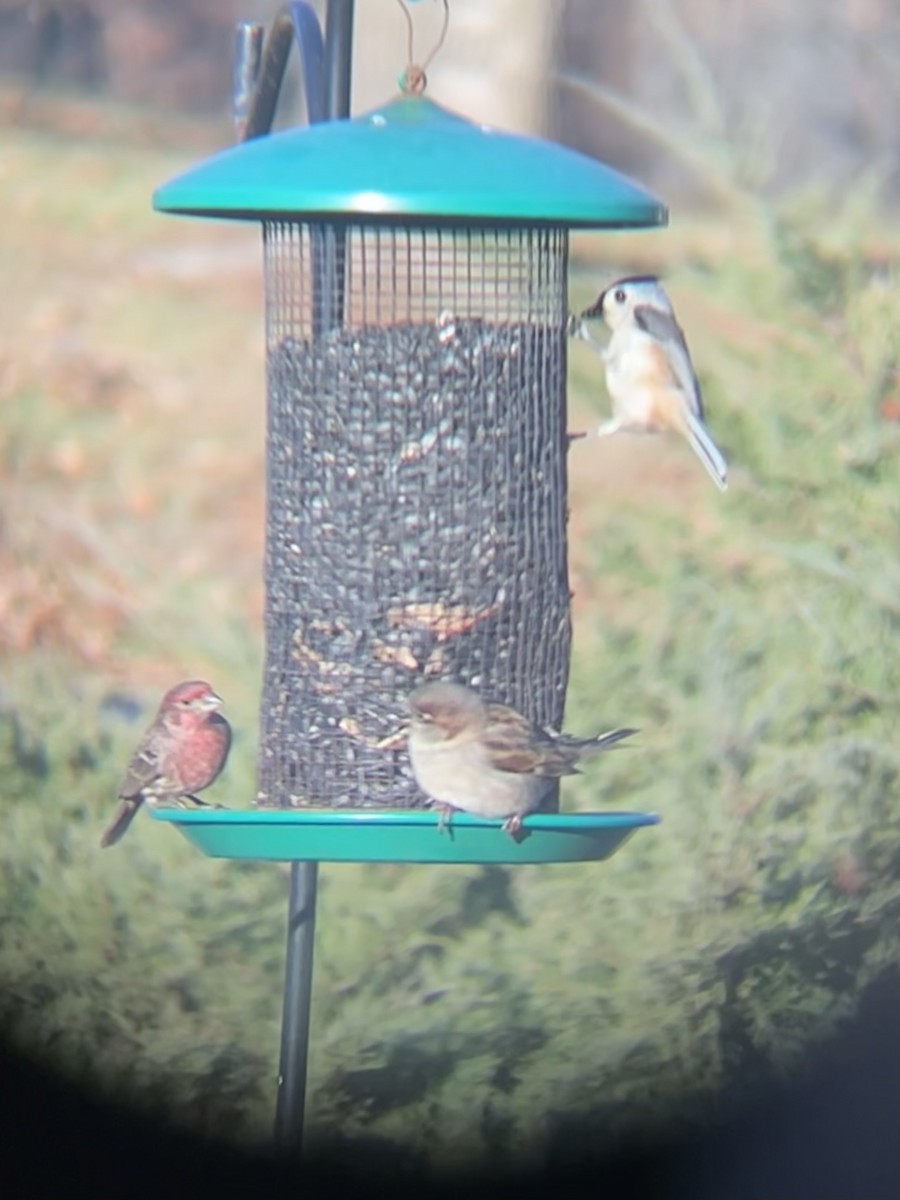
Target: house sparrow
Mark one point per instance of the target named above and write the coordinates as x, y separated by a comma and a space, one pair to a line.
488, 759
649, 374
181, 753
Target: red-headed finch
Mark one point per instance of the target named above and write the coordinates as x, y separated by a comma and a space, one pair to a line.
181, 753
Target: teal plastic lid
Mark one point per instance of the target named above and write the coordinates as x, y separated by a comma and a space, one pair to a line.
410, 160
399, 835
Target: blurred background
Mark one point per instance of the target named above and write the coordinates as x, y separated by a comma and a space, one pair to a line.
786, 92
504, 1016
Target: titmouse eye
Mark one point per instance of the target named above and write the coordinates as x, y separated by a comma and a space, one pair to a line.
619, 296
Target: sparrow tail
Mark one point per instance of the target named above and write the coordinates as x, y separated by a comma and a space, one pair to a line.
125, 814
605, 741
707, 451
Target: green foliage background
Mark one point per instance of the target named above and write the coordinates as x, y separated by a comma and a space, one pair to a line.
752, 637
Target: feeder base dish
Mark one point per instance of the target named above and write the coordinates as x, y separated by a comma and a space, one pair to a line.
363, 835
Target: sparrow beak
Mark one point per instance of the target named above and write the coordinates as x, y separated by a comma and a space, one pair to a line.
395, 739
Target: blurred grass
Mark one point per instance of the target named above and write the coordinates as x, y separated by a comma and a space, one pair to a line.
752, 637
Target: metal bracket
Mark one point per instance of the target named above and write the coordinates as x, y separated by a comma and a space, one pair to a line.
259, 68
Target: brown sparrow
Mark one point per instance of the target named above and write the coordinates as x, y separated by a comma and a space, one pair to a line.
488, 759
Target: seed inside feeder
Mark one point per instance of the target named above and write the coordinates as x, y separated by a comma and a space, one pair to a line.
416, 531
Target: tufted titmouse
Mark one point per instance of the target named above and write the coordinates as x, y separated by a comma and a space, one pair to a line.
649, 374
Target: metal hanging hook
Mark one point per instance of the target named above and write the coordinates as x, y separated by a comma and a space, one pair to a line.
259, 68
413, 81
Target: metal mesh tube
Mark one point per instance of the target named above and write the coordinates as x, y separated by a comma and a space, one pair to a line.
416, 491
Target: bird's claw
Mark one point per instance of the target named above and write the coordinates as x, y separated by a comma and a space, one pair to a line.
513, 826
188, 801
445, 816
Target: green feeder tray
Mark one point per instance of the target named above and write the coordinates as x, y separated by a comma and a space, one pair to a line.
412, 835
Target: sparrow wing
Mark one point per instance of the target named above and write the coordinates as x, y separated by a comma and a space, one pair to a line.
664, 329
513, 744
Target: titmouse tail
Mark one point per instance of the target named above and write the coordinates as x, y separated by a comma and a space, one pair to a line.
707, 451
118, 826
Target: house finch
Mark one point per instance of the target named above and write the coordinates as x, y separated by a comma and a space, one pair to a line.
649, 374
486, 758
181, 753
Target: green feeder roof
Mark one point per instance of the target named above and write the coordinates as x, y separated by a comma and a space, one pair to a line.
410, 160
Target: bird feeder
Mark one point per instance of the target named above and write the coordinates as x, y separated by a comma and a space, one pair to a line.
416, 308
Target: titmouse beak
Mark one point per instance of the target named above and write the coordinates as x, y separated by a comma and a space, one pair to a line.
595, 310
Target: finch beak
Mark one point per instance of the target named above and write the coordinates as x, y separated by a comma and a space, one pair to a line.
212, 702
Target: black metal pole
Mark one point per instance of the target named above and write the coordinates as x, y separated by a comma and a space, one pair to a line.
328, 306
301, 927
298, 969
338, 57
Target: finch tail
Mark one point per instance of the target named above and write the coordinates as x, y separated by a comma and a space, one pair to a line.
118, 826
707, 451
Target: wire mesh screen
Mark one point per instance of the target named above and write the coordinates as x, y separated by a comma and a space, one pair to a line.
416, 492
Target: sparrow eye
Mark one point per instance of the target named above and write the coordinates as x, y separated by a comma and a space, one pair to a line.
619, 296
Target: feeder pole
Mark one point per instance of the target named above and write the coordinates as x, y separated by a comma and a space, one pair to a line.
338, 58
298, 968
301, 923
